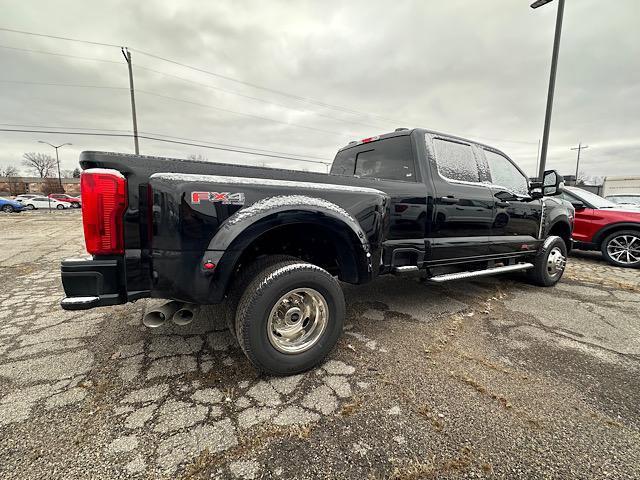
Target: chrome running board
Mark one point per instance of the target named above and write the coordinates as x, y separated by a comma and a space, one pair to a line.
480, 273
405, 269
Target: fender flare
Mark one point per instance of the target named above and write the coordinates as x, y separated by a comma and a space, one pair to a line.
600, 235
232, 228
246, 225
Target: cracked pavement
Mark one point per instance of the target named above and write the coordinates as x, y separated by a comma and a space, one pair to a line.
491, 378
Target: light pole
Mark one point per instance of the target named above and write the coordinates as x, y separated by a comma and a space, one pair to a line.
57, 158
552, 81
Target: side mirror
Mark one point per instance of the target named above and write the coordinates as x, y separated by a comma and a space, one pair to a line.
552, 183
578, 205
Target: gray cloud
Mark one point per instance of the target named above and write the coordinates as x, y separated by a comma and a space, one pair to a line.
477, 69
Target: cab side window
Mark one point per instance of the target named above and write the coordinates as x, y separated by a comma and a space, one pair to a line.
505, 174
456, 161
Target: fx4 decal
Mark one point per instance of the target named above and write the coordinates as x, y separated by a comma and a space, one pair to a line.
226, 198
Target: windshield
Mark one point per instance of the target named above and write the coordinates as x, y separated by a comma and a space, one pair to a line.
625, 199
596, 200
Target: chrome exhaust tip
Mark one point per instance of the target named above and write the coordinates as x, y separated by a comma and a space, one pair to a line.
185, 314
158, 316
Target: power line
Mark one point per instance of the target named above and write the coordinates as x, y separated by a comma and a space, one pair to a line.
164, 140
267, 89
234, 146
201, 70
58, 37
331, 132
53, 84
231, 92
93, 59
155, 134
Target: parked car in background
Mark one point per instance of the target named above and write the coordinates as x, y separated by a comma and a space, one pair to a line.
25, 196
606, 226
626, 199
10, 206
44, 202
74, 202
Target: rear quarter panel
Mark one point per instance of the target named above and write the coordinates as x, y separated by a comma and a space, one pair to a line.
200, 218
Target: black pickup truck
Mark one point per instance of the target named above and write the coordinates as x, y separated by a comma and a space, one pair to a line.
271, 244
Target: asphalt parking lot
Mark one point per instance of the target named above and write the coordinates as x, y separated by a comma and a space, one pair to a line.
491, 378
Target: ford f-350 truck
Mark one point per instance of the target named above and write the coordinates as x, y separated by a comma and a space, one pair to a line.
273, 245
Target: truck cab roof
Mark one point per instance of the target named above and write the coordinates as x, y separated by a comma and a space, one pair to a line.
409, 131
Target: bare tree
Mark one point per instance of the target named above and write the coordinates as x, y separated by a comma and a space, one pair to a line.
42, 164
51, 185
15, 185
588, 179
9, 171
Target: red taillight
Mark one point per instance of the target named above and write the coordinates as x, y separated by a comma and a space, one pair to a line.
104, 200
370, 139
401, 207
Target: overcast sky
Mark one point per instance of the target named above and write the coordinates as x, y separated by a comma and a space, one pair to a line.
473, 68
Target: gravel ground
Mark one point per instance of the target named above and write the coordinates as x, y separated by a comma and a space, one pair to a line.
492, 378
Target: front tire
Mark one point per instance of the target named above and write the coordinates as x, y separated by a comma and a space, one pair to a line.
290, 317
60, 207
549, 263
622, 249
30, 207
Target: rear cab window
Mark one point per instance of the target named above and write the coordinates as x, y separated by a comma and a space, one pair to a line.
386, 159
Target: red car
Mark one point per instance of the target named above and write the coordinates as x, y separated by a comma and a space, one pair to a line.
63, 197
605, 226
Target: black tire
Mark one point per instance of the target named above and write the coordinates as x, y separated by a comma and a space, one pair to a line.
75, 205
541, 273
30, 207
60, 207
7, 208
609, 247
241, 281
260, 297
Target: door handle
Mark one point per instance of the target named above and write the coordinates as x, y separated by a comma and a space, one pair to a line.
502, 204
449, 200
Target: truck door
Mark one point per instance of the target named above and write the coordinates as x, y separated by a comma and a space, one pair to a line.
516, 220
463, 205
389, 165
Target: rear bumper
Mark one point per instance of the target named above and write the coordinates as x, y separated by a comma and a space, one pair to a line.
90, 283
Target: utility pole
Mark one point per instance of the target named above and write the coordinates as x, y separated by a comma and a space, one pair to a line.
552, 81
127, 57
578, 148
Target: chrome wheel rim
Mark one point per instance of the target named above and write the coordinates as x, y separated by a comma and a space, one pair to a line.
297, 320
556, 262
7, 208
624, 249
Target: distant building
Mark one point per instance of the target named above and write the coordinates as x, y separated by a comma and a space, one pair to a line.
621, 184
15, 185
